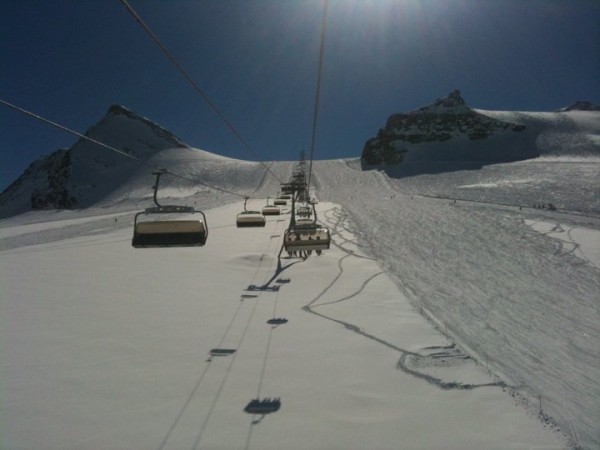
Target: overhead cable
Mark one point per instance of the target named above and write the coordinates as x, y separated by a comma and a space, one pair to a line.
318, 94
197, 88
121, 152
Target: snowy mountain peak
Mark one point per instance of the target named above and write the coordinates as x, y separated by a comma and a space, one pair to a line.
453, 103
119, 122
581, 105
86, 172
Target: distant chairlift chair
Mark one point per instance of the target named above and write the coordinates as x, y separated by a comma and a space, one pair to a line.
304, 213
280, 201
168, 233
270, 210
250, 218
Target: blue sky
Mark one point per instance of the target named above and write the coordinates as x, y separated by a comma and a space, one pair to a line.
69, 60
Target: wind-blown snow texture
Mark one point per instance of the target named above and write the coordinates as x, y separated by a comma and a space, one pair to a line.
518, 299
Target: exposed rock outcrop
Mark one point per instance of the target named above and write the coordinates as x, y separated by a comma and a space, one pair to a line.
447, 118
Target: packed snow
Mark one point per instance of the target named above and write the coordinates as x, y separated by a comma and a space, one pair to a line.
445, 315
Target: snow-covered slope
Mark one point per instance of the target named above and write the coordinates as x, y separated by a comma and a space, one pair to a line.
108, 347
525, 303
521, 302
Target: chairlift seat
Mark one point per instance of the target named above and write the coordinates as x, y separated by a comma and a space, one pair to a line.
250, 219
304, 211
169, 233
271, 210
280, 201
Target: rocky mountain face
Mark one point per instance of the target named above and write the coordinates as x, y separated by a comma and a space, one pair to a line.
447, 118
45, 182
82, 174
57, 168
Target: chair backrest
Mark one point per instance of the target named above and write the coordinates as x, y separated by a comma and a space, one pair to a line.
169, 233
170, 226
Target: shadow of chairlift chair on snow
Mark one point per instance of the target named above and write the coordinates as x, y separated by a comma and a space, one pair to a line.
264, 406
263, 288
277, 321
163, 232
222, 351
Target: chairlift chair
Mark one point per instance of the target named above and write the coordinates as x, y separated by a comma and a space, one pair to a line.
250, 218
305, 235
168, 233
270, 210
304, 211
306, 238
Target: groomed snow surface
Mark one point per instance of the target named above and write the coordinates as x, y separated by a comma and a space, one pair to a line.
429, 324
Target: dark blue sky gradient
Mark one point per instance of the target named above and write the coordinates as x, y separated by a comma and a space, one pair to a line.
69, 60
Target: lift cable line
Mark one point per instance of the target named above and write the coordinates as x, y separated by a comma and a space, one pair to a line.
318, 94
68, 130
197, 88
121, 152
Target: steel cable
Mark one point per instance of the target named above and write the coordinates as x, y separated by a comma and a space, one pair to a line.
197, 88
318, 94
121, 152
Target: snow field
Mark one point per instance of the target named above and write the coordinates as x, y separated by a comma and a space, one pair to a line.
107, 346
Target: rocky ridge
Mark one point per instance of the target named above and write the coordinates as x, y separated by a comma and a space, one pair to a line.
447, 118
81, 174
